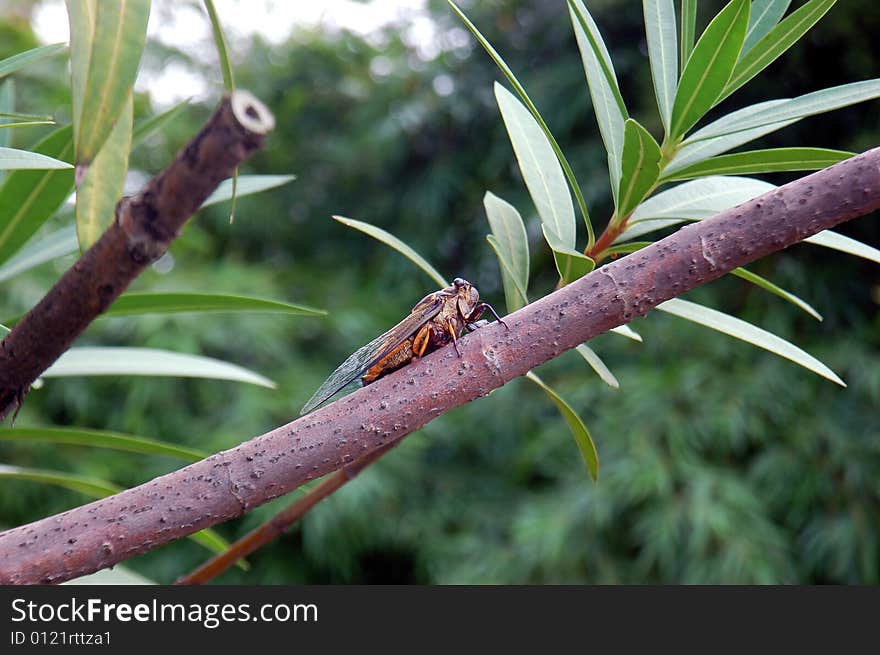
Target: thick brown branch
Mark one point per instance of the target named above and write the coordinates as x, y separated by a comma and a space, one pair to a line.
145, 226
274, 527
225, 485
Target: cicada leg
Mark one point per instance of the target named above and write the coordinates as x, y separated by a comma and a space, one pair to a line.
422, 340
450, 328
482, 307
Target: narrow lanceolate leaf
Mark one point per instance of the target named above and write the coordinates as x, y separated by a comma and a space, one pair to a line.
767, 285
14, 159
698, 149
118, 575
104, 181
572, 265
576, 425
527, 101
92, 487
836, 241
747, 332
662, 53
763, 18
120, 30
81, 18
147, 127
540, 170
626, 331
688, 30
149, 361
598, 365
709, 66
605, 92
29, 198
515, 297
134, 303
7, 106
773, 160
792, 109
694, 200
390, 240
222, 49
777, 41
15, 62
640, 167
97, 488
511, 245
57, 244
246, 185
102, 439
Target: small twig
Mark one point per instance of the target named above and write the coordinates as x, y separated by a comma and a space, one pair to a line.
144, 227
275, 526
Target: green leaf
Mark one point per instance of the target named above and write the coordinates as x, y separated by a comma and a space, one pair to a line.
640, 167
29, 198
709, 66
662, 54
134, 303
598, 365
57, 244
390, 240
81, 18
104, 181
13, 159
767, 285
15, 62
92, 487
576, 425
511, 246
540, 170
102, 439
572, 265
514, 296
97, 488
694, 200
626, 331
777, 41
773, 160
7, 106
521, 92
607, 101
116, 45
220, 44
764, 16
247, 185
747, 332
699, 150
791, 109
149, 361
688, 29
147, 127
837, 241
118, 575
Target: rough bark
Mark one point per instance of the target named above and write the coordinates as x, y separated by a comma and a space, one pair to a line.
225, 485
144, 227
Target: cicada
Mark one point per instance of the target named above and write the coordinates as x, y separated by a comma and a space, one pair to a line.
436, 320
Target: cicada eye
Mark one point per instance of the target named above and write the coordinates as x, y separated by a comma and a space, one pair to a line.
459, 282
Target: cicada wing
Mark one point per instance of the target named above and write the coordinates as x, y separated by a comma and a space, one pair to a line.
363, 358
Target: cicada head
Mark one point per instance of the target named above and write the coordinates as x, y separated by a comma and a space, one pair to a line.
468, 296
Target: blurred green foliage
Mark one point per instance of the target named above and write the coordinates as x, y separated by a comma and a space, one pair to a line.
720, 462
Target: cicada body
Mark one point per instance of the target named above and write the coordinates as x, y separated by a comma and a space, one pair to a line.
436, 320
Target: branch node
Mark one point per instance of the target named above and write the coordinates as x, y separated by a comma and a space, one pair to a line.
251, 113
